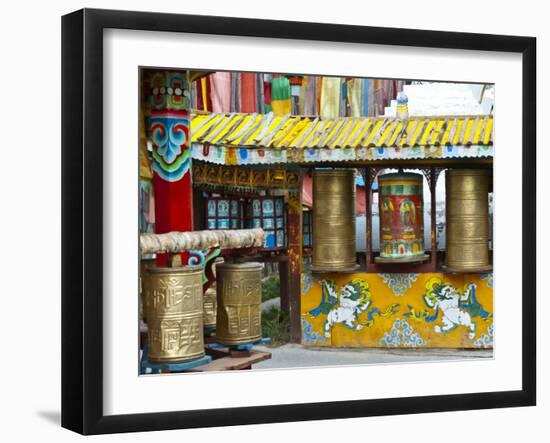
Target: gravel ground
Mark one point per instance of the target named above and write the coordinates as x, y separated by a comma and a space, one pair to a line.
295, 356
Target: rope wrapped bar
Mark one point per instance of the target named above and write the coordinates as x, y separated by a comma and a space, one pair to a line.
175, 242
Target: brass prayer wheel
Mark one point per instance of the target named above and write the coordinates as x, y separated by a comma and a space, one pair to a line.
210, 309
144, 264
334, 220
239, 292
400, 204
467, 219
173, 301
210, 305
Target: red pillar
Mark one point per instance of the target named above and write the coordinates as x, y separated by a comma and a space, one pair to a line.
168, 126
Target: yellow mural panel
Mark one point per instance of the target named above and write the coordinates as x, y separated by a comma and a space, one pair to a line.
431, 310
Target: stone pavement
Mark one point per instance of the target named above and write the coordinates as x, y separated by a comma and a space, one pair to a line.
295, 356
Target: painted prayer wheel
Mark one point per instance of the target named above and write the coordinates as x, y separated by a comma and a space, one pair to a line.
239, 292
400, 204
467, 219
174, 308
334, 220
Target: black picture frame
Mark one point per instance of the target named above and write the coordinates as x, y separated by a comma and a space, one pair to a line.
82, 218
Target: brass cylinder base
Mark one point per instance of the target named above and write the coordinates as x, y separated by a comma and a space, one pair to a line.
239, 295
467, 219
173, 301
334, 221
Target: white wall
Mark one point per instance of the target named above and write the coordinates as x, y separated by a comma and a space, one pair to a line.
30, 190
444, 99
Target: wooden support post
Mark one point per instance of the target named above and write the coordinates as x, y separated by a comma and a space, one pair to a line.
433, 210
168, 127
284, 279
368, 216
295, 260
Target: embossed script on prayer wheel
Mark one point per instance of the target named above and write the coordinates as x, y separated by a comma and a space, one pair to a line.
210, 309
400, 206
210, 303
334, 220
467, 219
174, 308
239, 291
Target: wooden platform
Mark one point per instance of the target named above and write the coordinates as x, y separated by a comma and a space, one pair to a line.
232, 360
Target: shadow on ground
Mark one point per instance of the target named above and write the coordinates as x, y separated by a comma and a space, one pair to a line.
53, 417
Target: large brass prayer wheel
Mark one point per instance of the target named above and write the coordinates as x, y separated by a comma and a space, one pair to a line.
400, 205
334, 220
467, 219
239, 291
173, 301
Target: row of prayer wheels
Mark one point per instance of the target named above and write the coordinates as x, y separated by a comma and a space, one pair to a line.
178, 313
401, 219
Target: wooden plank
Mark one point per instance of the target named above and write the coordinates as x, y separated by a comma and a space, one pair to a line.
235, 353
234, 363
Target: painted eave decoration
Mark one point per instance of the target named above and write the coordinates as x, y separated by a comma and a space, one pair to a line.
244, 179
267, 138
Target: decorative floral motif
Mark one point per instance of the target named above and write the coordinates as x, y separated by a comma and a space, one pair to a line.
486, 340
169, 133
168, 90
310, 336
402, 335
399, 283
197, 257
488, 278
307, 283
202, 258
